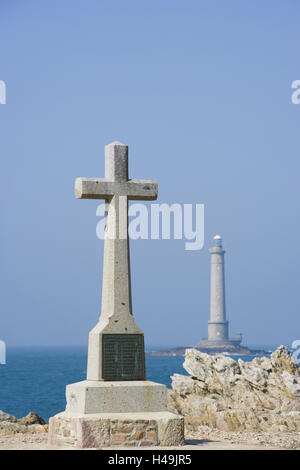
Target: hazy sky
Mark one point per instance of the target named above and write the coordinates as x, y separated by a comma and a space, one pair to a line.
201, 93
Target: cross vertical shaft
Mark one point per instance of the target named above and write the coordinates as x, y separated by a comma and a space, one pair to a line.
116, 280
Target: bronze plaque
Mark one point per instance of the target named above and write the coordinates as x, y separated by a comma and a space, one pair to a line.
123, 357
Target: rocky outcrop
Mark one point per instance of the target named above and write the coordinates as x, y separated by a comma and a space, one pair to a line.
31, 418
262, 395
32, 423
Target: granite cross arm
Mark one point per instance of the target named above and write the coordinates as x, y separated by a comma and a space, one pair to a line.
101, 188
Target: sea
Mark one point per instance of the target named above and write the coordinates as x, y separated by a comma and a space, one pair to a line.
34, 379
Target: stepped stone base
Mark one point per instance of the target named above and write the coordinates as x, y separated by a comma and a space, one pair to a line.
106, 414
116, 430
226, 343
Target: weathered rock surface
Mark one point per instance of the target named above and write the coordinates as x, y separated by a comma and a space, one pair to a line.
5, 417
32, 423
262, 395
31, 418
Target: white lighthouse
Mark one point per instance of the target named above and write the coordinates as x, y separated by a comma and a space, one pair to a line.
218, 331
217, 324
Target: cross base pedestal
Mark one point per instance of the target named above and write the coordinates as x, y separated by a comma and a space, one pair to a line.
90, 397
106, 414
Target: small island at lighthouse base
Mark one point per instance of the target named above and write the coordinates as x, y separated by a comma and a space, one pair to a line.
218, 341
218, 349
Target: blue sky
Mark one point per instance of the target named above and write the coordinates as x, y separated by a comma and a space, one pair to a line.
201, 92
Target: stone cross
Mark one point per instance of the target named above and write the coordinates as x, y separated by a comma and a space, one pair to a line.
116, 344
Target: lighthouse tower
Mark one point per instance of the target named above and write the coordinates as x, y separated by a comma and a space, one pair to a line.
217, 324
218, 337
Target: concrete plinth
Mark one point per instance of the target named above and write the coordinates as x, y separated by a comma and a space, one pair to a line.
90, 397
116, 430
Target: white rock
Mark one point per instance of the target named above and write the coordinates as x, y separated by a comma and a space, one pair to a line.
262, 395
291, 383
